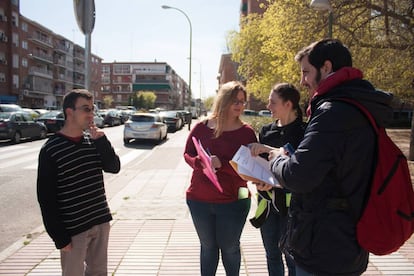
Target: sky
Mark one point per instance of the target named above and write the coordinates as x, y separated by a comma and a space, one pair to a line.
141, 31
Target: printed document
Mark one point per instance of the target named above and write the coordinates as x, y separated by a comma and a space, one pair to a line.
252, 168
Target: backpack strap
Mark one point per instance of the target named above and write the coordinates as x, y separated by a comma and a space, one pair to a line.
363, 110
343, 203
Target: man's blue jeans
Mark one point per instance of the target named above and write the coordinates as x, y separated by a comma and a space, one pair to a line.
271, 231
219, 227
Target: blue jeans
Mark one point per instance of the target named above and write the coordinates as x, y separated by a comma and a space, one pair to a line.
219, 227
271, 231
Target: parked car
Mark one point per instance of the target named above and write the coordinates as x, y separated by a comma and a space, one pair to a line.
265, 113
10, 107
173, 119
186, 116
111, 117
53, 120
98, 120
145, 126
249, 112
40, 111
125, 114
31, 112
19, 125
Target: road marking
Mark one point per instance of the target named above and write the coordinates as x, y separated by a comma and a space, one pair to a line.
127, 158
17, 152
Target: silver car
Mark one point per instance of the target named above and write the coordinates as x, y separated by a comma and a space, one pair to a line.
148, 126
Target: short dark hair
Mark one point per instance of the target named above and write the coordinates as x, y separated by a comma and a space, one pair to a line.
327, 49
69, 100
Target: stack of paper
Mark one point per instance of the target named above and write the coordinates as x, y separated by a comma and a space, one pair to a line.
252, 168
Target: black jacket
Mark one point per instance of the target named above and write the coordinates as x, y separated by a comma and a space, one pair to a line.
338, 149
277, 136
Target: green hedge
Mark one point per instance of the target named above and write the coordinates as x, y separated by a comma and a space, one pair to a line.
256, 121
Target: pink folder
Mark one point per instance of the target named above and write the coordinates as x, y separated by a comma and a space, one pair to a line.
205, 158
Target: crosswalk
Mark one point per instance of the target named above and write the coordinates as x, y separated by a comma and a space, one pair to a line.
25, 157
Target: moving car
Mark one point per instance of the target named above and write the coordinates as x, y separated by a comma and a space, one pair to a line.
19, 125
53, 120
145, 126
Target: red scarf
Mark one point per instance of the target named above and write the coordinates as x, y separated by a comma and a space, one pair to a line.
342, 75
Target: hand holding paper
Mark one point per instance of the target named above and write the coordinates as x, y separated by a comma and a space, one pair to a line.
252, 168
208, 169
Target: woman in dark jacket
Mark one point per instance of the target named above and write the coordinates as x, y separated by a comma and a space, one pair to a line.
288, 127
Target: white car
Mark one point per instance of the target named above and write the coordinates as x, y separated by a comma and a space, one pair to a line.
98, 120
265, 113
148, 126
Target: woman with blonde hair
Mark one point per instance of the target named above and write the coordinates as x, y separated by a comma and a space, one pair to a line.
219, 216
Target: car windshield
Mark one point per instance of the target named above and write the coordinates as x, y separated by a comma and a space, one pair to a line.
142, 118
168, 114
4, 115
51, 114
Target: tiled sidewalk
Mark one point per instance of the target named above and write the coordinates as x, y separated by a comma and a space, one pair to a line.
170, 247
152, 233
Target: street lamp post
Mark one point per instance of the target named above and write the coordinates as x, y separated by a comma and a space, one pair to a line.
199, 104
324, 5
191, 42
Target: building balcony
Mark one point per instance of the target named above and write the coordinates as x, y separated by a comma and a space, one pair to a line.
42, 57
44, 41
41, 72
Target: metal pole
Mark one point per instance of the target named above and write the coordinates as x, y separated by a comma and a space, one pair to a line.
191, 46
87, 61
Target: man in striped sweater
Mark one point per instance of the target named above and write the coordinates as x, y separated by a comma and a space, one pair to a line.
70, 188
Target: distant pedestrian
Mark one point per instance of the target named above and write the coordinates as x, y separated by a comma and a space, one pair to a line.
219, 217
70, 188
189, 118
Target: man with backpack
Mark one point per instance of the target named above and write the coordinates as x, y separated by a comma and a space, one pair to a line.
331, 171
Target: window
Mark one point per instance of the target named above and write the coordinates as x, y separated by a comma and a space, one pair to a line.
105, 79
106, 69
15, 61
24, 26
122, 69
24, 44
15, 19
24, 62
16, 81
15, 39
2, 77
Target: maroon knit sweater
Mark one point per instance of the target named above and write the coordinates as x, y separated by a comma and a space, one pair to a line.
224, 147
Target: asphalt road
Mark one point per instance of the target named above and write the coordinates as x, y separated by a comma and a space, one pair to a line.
20, 214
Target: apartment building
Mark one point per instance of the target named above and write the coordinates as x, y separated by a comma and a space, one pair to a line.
38, 66
121, 79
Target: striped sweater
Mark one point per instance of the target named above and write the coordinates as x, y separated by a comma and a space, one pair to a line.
70, 185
